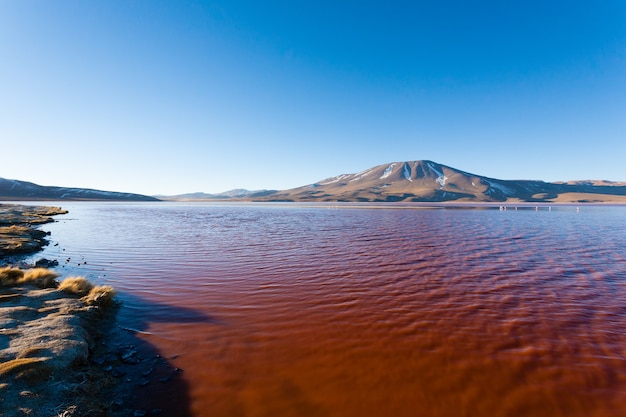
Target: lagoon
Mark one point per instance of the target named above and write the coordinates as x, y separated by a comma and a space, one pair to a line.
367, 310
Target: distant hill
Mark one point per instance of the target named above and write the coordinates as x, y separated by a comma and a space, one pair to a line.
22, 190
237, 193
413, 181
428, 181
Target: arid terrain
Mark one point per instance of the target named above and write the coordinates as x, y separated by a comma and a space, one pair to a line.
428, 181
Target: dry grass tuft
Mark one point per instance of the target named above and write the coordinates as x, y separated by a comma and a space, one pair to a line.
101, 296
18, 365
33, 352
10, 276
76, 285
41, 277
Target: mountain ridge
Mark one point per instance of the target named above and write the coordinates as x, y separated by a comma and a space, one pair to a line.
24, 190
236, 193
429, 181
408, 181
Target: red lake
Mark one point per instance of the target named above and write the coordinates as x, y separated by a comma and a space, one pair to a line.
357, 310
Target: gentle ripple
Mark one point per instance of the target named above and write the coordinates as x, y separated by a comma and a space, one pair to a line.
370, 312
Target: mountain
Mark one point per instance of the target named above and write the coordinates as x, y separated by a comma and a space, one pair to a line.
428, 181
414, 181
237, 193
22, 190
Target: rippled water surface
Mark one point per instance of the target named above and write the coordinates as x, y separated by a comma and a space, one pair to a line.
289, 310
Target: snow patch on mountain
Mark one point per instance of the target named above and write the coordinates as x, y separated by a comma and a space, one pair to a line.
361, 174
441, 180
503, 188
335, 179
435, 170
364, 173
407, 172
388, 171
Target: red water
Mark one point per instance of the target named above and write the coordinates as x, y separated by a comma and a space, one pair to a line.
298, 311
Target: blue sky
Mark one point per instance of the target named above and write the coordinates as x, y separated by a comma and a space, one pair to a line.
182, 96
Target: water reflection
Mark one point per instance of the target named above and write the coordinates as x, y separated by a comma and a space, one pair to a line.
138, 313
152, 383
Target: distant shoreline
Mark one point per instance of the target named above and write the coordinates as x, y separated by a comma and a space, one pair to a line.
398, 204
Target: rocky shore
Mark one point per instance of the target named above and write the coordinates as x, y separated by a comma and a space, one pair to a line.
47, 332
47, 335
61, 350
19, 233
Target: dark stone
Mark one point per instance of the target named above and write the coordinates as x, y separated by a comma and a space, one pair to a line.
129, 355
46, 263
117, 405
126, 355
99, 360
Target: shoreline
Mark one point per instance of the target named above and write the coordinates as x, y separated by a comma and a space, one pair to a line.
45, 332
47, 339
62, 352
19, 230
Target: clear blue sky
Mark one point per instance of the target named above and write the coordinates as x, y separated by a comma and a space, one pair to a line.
181, 96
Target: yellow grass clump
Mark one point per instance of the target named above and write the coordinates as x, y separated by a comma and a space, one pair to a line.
76, 285
10, 276
41, 277
18, 365
101, 296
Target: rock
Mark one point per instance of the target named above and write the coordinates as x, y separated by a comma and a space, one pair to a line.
128, 354
46, 343
117, 404
130, 357
46, 263
18, 232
